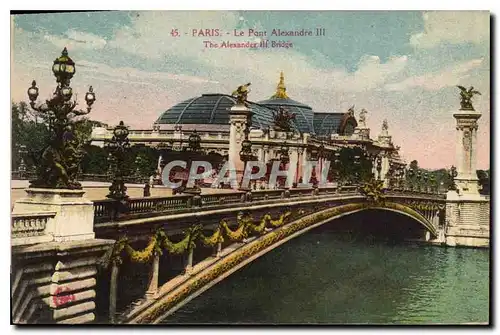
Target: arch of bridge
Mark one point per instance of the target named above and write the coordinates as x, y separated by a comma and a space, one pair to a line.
206, 278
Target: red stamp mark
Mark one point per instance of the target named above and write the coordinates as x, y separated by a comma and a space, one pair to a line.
62, 299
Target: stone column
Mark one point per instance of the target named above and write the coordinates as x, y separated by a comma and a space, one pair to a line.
466, 152
238, 118
467, 212
189, 262
113, 287
303, 165
300, 154
385, 169
153, 278
292, 167
218, 250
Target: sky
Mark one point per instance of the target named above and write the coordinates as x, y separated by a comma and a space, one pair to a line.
402, 66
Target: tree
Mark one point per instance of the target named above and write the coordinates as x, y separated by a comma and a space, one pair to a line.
147, 163
83, 129
484, 180
414, 165
95, 160
30, 131
347, 167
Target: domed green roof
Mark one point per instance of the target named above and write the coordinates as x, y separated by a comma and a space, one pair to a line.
213, 109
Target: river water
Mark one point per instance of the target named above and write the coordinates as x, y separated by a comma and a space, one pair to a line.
322, 277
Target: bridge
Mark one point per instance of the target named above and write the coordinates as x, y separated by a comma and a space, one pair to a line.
152, 255
136, 260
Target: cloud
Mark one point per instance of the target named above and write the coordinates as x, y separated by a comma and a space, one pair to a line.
453, 27
434, 81
77, 40
129, 73
402, 88
149, 36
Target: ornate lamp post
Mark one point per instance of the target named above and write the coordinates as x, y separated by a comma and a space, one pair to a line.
137, 163
391, 174
314, 155
58, 167
379, 167
453, 175
426, 181
194, 146
432, 181
118, 147
336, 162
401, 176
409, 180
22, 165
194, 142
110, 160
357, 164
419, 180
284, 158
245, 153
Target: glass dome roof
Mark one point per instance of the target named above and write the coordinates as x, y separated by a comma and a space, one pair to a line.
213, 109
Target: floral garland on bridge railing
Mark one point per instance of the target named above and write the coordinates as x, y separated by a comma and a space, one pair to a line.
237, 235
179, 247
216, 237
257, 228
160, 241
277, 223
143, 256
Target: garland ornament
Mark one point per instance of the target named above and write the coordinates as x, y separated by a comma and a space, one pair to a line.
214, 239
237, 235
278, 222
160, 241
260, 228
153, 248
183, 245
374, 191
118, 248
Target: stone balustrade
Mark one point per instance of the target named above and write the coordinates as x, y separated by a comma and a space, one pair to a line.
30, 228
108, 210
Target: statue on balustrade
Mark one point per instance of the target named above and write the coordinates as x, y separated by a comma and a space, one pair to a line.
362, 117
283, 120
466, 97
350, 111
59, 162
385, 126
241, 94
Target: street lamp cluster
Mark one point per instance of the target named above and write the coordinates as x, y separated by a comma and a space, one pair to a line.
420, 181
194, 146
59, 164
118, 147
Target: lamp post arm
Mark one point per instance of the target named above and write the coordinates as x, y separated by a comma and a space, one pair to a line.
80, 112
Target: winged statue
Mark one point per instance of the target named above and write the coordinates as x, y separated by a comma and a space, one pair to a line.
241, 94
466, 97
